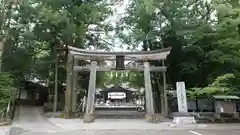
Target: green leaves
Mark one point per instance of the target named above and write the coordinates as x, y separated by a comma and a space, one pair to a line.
7, 91
38, 27
221, 85
119, 78
208, 30
223, 81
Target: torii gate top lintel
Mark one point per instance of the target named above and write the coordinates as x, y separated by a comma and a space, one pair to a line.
160, 54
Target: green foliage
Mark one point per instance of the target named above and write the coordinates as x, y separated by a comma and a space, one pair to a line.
135, 79
38, 28
132, 78
209, 31
221, 85
7, 90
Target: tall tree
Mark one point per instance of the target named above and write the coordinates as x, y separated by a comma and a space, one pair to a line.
7, 8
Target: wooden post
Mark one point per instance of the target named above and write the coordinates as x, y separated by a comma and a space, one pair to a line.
162, 99
68, 94
150, 116
165, 92
84, 103
89, 116
56, 85
74, 88
165, 95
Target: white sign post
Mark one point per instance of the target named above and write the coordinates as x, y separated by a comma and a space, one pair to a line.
181, 97
183, 117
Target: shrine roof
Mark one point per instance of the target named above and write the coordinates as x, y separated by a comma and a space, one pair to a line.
160, 54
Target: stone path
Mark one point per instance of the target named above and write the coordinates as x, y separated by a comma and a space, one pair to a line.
30, 119
4, 130
141, 132
118, 124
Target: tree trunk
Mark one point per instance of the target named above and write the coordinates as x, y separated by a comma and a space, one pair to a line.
56, 84
155, 97
7, 18
2, 43
159, 97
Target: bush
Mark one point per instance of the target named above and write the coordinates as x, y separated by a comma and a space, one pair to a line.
221, 85
7, 90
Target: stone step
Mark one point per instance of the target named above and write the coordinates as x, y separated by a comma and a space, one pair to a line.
119, 114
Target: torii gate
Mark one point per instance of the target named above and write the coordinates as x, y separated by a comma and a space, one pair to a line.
75, 54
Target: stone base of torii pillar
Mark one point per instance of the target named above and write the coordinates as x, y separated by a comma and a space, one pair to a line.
183, 118
152, 118
89, 118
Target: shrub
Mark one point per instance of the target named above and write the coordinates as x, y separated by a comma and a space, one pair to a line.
7, 90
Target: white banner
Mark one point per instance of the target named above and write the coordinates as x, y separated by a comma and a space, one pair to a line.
181, 97
117, 95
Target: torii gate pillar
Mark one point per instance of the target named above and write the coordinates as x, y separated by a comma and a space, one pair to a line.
150, 114
89, 115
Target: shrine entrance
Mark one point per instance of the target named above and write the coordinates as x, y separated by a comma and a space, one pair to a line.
143, 58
